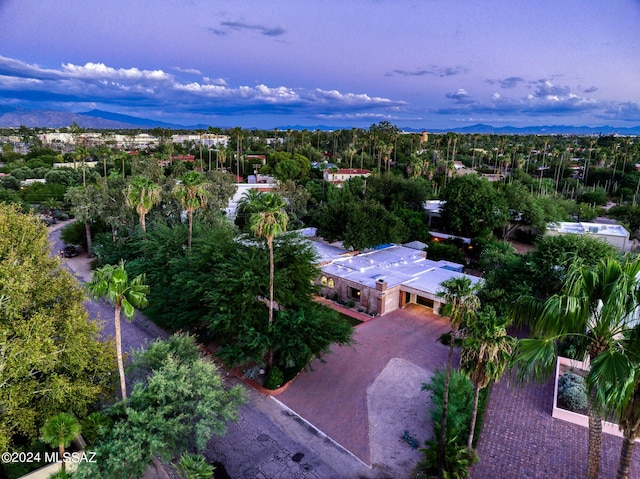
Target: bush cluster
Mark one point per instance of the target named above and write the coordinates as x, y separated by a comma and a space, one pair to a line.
274, 379
572, 391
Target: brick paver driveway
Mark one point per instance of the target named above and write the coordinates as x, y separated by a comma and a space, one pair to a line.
520, 439
333, 396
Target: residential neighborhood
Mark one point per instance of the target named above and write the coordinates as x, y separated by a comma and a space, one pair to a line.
327, 311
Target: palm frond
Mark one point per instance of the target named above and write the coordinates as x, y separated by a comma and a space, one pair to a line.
535, 358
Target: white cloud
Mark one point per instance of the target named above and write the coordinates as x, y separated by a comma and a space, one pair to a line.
97, 82
100, 70
192, 71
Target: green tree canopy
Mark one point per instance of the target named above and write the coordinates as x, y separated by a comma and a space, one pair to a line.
473, 206
395, 192
178, 402
359, 224
51, 359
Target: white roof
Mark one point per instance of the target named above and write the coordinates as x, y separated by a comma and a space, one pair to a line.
395, 265
589, 228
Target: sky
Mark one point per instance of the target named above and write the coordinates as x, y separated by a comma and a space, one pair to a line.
338, 63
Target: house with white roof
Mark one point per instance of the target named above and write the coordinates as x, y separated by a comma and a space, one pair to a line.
384, 279
613, 234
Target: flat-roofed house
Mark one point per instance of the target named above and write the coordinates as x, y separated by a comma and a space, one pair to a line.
613, 234
385, 279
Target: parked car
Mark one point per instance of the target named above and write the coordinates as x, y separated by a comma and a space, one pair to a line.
70, 251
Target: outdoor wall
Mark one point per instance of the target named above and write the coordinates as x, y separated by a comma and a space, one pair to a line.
391, 299
369, 297
573, 417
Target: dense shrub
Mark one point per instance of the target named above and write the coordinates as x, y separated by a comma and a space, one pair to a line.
458, 458
274, 379
572, 391
460, 403
75, 234
10, 182
445, 251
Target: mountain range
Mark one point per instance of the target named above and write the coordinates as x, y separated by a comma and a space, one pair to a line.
98, 119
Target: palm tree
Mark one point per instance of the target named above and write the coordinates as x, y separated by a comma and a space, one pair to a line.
123, 155
386, 154
83, 153
246, 207
594, 307
486, 352
59, 431
112, 282
460, 297
268, 221
221, 156
103, 151
614, 378
192, 191
88, 205
142, 193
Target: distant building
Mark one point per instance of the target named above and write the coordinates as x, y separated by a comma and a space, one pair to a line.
337, 177
386, 279
205, 139
433, 208
76, 165
32, 181
613, 234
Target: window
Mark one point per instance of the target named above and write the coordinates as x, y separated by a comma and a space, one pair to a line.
354, 293
330, 283
323, 280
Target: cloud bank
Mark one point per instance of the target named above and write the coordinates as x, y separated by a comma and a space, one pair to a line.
184, 92
97, 83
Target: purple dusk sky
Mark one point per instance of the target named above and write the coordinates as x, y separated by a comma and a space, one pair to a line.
255, 63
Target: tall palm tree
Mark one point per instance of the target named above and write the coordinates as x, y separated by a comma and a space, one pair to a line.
268, 221
112, 282
83, 153
59, 431
142, 194
104, 152
246, 207
614, 377
486, 352
88, 205
594, 306
123, 155
192, 191
459, 295
221, 157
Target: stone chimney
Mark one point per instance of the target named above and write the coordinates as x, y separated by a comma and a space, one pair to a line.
381, 285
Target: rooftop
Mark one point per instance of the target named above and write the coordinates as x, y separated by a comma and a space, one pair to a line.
395, 264
589, 228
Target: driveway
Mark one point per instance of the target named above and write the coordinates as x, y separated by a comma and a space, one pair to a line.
365, 396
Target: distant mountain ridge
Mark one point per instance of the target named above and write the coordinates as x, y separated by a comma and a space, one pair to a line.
544, 130
98, 119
